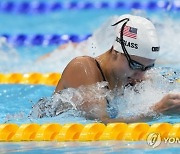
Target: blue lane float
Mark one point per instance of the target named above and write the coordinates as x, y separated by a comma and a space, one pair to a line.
42, 40
25, 7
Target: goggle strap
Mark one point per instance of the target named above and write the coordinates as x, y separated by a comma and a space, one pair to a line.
121, 39
120, 21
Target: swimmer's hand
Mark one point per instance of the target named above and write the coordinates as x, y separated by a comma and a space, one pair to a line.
169, 104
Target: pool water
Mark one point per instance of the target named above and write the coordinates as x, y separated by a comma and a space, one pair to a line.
27, 58
85, 147
16, 101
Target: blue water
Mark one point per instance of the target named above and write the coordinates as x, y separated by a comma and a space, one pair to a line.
16, 101
65, 22
85, 147
78, 22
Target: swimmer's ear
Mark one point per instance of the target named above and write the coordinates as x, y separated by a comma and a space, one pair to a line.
114, 53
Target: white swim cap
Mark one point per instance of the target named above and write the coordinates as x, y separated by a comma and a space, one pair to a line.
139, 37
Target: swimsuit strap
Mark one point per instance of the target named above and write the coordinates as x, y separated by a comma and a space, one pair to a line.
104, 79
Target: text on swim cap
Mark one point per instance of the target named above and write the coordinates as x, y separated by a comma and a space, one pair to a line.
127, 43
155, 49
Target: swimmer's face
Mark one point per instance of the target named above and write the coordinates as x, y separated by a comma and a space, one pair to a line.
137, 75
129, 75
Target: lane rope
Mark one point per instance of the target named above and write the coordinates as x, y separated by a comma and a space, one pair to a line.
88, 132
42, 40
35, 7
50, 79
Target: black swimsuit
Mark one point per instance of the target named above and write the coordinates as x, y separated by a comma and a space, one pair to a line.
104, 79
112, 110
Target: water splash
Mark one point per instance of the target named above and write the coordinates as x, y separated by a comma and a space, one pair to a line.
132, 102
7, 51
140, 99
16, 117
8, 55
71, 99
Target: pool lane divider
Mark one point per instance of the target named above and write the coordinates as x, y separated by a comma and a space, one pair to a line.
43, 39
49, 79
35, 7
87, 132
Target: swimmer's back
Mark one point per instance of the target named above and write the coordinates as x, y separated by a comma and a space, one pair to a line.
80, 71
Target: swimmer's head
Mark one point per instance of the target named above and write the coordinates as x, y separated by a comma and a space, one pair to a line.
136, 35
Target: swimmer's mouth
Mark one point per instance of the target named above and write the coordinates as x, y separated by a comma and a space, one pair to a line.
132, 82
129, 84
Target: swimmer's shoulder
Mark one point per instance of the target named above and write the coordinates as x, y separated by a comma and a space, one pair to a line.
84, 62
80, 71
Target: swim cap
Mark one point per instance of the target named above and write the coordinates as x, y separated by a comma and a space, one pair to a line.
139, 37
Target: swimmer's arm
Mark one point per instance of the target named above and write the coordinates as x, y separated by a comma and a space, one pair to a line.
106, 119
169, 104
103, 116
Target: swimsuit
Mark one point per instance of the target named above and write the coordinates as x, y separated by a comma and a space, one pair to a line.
111, 109
104, 79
